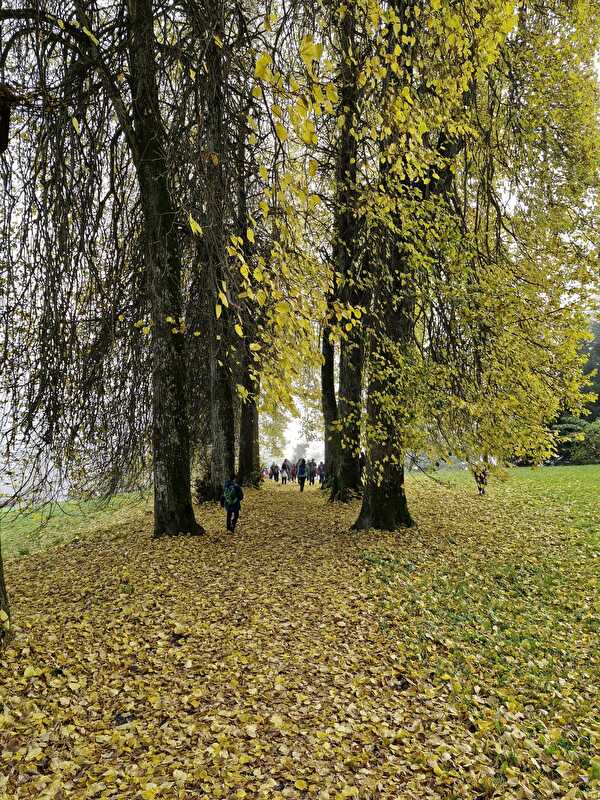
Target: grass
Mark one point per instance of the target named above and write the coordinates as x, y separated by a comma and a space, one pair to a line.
57, 523
297, 659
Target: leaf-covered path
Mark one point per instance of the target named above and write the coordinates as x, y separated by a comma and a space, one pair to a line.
457, 660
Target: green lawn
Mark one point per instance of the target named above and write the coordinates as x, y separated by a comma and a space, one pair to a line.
54, 524
573, 491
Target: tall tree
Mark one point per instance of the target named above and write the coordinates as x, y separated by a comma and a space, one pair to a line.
135, 103
173, 512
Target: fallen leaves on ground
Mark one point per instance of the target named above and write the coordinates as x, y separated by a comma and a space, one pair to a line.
297, 659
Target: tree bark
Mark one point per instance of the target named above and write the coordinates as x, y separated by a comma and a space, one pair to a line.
350, 414
173, 512
222, 418
330, 412
248, 445
222, 410
4, 606
384, 503
248, 457
347, 482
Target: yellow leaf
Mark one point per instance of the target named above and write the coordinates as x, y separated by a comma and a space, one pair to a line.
262, 171
312, 167
301, 784
75, 124
310, 51
307, 132
223, 299
252, 139
254, 346
331, 93
179, 776
262, 66
281, 132
250, 235
31, 672
217, 40
256, 92
238, 329
218, 310
196, 229
91, 36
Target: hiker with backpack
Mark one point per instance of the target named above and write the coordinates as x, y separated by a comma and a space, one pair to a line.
231, 501
302, 473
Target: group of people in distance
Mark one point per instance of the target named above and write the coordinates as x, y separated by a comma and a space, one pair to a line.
301, 471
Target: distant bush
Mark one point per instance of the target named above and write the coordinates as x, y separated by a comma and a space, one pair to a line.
570, 431
588, 450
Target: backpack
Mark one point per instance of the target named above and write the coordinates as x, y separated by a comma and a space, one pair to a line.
230, 494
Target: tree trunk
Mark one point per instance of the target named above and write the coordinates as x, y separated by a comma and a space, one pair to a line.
4, 606
248, 447
329, 406
173, 512
350, 413
347, 482
249, 457
222, 419
384, 503
222, 410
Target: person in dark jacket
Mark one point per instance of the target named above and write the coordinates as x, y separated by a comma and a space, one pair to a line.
302, 473
231, 501
321, 472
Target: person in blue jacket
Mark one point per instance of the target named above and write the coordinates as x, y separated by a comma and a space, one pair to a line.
231, 501
302, 473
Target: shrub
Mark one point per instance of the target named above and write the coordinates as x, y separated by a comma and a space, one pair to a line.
588, 451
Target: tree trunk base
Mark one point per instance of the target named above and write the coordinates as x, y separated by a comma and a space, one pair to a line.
198, 531
341, 491
384, 508
345, 494
177, 524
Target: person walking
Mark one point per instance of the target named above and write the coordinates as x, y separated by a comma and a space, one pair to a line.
302, 473
285, 473
231, 501
321, 472
312, 471
293, 471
